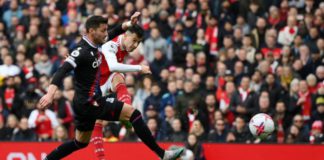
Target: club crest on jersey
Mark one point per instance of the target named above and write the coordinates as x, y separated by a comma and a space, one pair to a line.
96, 63
76, 52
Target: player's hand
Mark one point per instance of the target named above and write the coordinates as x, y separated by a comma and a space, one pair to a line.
133, 20
145, 69
135, 17
45, 101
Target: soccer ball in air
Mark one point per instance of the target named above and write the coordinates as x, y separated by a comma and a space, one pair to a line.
261, 125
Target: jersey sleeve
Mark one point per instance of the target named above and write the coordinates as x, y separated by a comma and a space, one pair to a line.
112, 33
74, 59
109, 50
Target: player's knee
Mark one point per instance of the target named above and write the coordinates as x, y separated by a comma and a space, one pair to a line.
80, 145
118, 78
127, 112
136, 114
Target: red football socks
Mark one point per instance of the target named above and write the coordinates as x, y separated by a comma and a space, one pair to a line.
97, 141
122, 93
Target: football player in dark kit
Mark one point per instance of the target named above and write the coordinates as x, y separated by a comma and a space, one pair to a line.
88, 103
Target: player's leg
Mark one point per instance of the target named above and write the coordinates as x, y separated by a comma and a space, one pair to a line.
97, 141
143, 132
81, 140
115, 83
118, 85
97, 135
113, 110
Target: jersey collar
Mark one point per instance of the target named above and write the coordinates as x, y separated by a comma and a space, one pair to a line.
89, 42
120, 42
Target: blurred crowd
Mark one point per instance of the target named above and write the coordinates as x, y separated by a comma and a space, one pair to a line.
214, 63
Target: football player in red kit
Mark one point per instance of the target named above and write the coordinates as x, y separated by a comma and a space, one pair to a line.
112, 77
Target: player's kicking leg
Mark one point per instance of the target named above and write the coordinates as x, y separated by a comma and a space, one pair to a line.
115, 110
135, 117
81, 141
116, 84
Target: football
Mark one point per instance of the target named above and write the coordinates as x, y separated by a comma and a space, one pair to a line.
261, 125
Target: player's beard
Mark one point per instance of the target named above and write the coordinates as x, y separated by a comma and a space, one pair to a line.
99, 41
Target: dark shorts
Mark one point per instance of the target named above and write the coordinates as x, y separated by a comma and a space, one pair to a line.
85, 115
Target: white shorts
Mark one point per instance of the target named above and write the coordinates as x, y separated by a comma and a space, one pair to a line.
108, 86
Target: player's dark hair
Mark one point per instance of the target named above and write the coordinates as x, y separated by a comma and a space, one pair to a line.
138, 30
94, 22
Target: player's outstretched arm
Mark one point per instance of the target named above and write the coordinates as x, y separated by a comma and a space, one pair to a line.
47, 99
110, 49
120, 29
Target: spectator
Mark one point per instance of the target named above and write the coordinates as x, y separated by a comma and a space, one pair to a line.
44, 66
255, 12
250, 50
243, 99
23, 133
288, 33
240, 132
224, 99
153, 43
43, 122
211, 36
8, 130
198, 130
109, 134
154, 99
191, 114
256, 81
282, 121
5, 134
179, 47
271, 46
318, 113
312, 83
27, 100
273, 88
201, 43
210, 106
305, 100
241, 23
163, 82
320, 73
8, 68
294, 135
264, 104
194, 145
166, 124
177, 135
142, 93
259, 32
307, 63
60, 134
152, 124
302, 127
182, 100
170, 97
219, 133
9, 97
316, 136
151, 112
159, 62
14, 11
